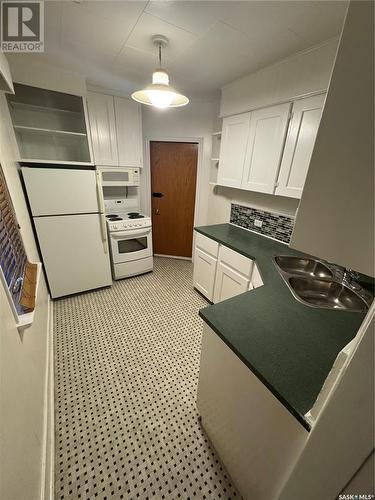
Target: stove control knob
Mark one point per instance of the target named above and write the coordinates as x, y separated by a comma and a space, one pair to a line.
114, 226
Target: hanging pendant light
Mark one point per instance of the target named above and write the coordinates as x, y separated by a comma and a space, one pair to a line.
160, 94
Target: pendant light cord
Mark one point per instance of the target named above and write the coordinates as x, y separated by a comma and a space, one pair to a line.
160, 55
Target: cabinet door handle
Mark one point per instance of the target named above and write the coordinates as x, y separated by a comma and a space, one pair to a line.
157, 195
157, 211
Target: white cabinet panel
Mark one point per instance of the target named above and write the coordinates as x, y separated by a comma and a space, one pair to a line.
6, 83
103, 128
256, 279
206, 244
129, 132
228, 283
256, 437
204, 273
299, 146
234, 139
236, 261
267, 132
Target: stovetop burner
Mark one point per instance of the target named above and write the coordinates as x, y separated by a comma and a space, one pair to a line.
114, 217
135, 215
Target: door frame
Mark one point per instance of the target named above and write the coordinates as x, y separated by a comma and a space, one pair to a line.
147, 171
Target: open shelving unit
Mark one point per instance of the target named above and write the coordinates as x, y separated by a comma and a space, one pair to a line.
49, 126
215, 159
47, 130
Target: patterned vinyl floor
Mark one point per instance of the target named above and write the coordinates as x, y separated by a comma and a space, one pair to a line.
126, 368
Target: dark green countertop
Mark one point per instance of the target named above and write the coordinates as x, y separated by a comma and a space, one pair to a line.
289, 346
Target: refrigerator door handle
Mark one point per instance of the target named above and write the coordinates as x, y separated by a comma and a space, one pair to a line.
103, 226
99, 187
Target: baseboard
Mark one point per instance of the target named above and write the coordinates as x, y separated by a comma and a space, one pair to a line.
171, 256
48, 451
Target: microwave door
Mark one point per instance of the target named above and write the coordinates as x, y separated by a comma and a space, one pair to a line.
120, 177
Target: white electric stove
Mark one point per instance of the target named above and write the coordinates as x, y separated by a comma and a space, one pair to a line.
130, 236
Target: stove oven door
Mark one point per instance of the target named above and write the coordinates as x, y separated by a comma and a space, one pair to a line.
127, 246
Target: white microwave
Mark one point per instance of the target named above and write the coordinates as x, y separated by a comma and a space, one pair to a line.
120, 176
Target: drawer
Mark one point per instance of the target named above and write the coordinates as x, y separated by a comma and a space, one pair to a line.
209, 246
236, 261
256, 279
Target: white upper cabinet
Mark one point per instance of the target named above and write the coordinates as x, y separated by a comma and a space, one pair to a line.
6, 83
234, 139
267, 133
129, 132
116, 130
103, 129
299, 146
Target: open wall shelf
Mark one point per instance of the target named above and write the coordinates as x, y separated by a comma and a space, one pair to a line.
49, 126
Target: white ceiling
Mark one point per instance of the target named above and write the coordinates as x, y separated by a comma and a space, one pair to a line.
211, 42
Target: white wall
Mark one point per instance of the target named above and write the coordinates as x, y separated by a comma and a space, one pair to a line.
22, 361
298, 75
363, 480
26, 70
222, 197
335, 218
192, 121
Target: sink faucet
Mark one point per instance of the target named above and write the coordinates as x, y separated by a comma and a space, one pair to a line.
350, 279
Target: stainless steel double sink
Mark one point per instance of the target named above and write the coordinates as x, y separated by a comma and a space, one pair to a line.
313, 283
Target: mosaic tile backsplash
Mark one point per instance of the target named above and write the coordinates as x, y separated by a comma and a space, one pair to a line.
277, 226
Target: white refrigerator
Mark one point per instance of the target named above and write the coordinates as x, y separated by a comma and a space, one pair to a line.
68, 213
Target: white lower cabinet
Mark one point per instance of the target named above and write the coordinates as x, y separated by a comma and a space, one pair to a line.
256, 437
221, 273
232, 275
204, 273
228, 283
205, 263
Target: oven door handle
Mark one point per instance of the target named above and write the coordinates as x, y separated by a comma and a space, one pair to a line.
128, 235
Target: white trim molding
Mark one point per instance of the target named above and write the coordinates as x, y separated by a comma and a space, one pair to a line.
48, 450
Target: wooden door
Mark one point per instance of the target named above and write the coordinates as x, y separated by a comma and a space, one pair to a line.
268, 127
173, 183
299, 145
234, 138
